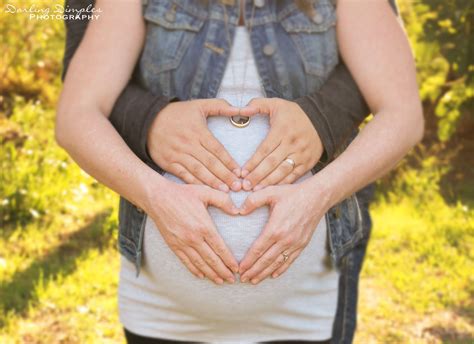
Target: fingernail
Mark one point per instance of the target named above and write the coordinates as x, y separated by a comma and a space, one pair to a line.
219, 280
201, 276
236, 185
244, 173
247, 185
224, 188
258, 187
244, 279
237, 172
230, 280
235, 210
254, 281
275, 275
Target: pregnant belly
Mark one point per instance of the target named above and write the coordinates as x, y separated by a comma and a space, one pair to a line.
307, 278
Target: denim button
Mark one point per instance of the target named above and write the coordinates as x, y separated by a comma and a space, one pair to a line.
268, 49
317, 18
259, 3
170, 16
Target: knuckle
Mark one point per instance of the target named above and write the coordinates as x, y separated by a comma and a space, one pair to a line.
268, 261
278, 235
198, 263
195, 168
212, 261
288, 240
208, 161
181, 172
219, 250
293, 139
251, 202
168, 157
202, 230
225, 158
272, 160
266, 149
258, 251
189, 238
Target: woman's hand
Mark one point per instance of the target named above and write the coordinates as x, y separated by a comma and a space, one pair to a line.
295, 211
180, 142
181, 216
292, 135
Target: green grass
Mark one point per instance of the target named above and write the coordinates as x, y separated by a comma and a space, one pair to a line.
417, 282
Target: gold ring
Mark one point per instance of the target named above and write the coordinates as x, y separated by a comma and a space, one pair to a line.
285, 256
240, 121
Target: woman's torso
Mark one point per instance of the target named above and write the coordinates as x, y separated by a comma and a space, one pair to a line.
168, 301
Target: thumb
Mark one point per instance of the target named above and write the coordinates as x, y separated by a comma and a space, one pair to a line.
218, 107
257, 199
220, 200
261, 105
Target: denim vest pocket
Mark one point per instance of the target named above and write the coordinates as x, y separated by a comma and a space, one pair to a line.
346, 227
131, 221
314, 38
171, 27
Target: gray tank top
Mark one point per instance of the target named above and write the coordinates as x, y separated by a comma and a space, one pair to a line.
167, 301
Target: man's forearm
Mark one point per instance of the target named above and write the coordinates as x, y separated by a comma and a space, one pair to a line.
335, 110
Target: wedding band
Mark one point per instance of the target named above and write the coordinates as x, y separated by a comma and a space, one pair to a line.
290, 161
285, 256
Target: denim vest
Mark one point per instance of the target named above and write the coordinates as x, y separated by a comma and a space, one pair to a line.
185, 55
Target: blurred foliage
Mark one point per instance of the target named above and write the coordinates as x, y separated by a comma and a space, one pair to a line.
38, 179
441, 35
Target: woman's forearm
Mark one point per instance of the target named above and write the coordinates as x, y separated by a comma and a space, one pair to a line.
377, 52
95, 145
374, 152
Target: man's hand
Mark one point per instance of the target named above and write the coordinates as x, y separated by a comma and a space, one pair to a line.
180, 214
292, 135
180, 142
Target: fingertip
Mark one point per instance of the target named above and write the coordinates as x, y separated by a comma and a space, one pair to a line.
247, 185
236, 185
244, 209
234, 210
242, 269
224, 188
237, 171
244, 173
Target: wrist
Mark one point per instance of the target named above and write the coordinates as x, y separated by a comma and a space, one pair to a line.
154, 190
325, 189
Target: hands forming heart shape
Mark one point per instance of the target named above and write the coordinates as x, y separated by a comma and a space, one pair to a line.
180, 142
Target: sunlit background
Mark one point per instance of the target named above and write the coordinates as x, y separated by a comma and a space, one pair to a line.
58, 257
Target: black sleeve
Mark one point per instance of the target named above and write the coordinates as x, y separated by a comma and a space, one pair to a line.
337, 108
135, 108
